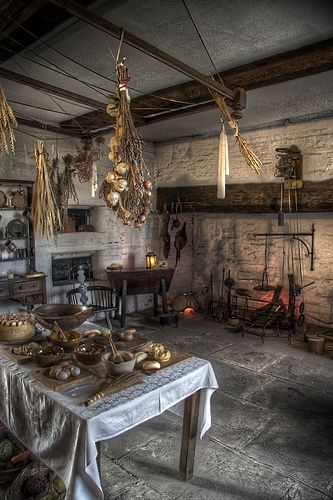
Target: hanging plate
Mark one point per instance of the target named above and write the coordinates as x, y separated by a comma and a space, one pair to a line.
16, 228
19, 199
3, 199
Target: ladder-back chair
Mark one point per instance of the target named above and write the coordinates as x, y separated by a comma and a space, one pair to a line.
100, 298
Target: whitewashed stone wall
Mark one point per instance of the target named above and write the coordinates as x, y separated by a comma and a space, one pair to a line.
111, 241
227, 241
193, 162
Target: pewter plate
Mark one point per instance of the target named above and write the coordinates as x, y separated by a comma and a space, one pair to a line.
16, 228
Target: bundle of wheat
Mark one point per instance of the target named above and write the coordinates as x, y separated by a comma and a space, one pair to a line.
250, 157
45, 213
7, 122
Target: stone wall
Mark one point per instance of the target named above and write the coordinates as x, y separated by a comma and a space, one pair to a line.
227, 241
111, 241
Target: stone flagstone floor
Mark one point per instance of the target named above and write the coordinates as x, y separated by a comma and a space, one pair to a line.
272, 419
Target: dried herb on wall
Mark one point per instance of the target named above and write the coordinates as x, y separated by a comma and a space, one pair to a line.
7, 122
125, 188
45, 213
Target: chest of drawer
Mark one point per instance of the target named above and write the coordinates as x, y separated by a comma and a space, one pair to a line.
4, 291
27, 287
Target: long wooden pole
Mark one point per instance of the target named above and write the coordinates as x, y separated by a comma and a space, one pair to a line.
111, 29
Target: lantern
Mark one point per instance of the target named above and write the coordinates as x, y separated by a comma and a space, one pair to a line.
151, 260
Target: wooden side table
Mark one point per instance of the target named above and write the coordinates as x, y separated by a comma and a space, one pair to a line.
140, 281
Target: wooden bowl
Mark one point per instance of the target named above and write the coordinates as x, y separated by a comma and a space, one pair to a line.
67, 316
118, 368
47, 355
72, 339
89, 353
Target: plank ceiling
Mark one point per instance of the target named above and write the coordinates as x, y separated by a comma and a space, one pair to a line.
281, 52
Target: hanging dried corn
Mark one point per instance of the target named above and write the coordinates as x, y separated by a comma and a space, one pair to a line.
45, 213
125, 188
250, 157
7, 122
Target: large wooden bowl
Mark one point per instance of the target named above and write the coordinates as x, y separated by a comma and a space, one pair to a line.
67, 316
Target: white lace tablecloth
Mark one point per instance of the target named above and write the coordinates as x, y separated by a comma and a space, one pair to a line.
63, 433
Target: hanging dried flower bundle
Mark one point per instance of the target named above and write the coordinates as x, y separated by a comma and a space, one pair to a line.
250, 157
7, 122
125, 188
45, 214
63, 185
87, 155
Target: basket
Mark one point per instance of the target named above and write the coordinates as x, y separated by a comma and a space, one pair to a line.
7, 476
67, 316
24, 327
14, 492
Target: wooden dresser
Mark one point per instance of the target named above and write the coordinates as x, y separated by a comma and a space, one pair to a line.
27, 291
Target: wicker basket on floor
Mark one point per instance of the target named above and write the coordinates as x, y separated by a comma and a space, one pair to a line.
14, 492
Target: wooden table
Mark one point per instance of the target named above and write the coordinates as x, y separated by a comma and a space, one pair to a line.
65, 435
140, 281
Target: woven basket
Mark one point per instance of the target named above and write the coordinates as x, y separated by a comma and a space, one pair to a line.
14, 492
7, 476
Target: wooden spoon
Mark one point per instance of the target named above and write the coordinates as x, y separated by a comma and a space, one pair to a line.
117, 358
60, 330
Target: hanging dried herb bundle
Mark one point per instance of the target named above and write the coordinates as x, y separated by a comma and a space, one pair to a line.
54, 179
45, 213
66, 180
87, 154
125, 188
7, 122
250, 157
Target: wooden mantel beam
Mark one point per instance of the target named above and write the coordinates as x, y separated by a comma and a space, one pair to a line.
106, 26
247, 198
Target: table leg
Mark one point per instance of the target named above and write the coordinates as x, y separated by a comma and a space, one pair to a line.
98, 458
164, 296
123, 303
155, 303
189, 436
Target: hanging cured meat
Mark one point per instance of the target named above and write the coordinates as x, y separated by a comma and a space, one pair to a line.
180, 241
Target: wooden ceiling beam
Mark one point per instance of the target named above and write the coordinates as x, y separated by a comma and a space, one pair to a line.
47, 128
51, 89
308, 60
28, 10
299, 63
106, 26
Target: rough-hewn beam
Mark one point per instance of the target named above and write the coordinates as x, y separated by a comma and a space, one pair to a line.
302, 62
21, 11
46, 127
104, 25
298, 63
51, 89
248, 198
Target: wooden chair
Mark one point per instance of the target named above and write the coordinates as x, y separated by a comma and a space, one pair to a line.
101, 299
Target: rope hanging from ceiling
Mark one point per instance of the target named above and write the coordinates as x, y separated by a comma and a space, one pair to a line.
250, 157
